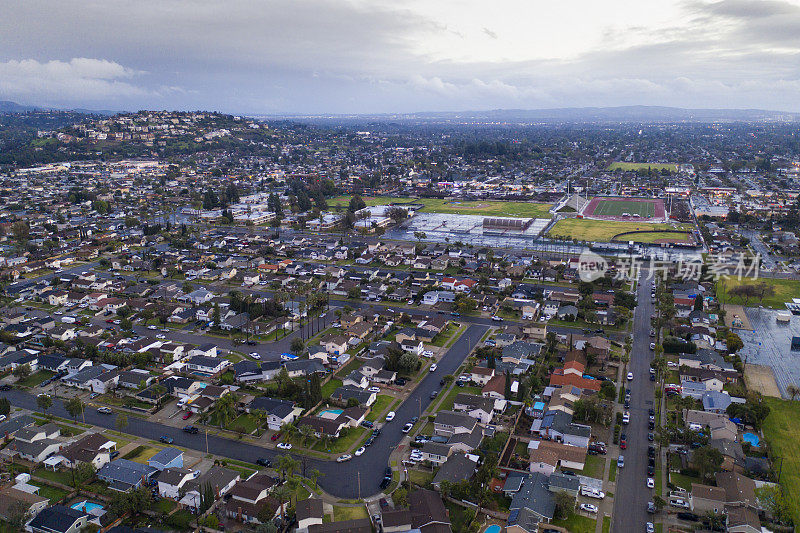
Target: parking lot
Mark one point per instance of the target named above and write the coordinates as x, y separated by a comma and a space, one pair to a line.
769, 344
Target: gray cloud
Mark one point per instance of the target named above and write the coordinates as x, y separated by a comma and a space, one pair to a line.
352, 56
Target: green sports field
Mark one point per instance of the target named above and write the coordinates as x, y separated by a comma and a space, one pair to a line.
619, 165
615, 208
605, 230
495, 208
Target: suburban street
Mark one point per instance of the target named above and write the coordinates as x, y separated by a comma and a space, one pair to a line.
357, 478
631, 495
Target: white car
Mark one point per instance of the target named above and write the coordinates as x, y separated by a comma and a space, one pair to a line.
652, 346
433, 367
343, 458
626, 417
390, 416
360, 451
416, 455
592, 493
630, 376
151, 326
427, 353
104, 410
285, 445
588, 507
255, 355
407, 427
649, 527
672, 364
497, 318
161, 336
651, 483
196, 474
376, 390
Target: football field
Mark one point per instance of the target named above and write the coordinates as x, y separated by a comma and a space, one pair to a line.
616, 208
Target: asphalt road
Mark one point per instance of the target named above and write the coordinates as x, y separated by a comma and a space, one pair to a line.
631, 494
359, 477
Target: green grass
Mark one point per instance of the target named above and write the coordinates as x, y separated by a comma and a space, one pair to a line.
35, 378
682, 480
382, 402
418, 477
343, 443
443, 336
577, 523
354, 364
781, 429
595, 466
604, 230
620, 165
447, 403
246, 421
63, 477
134, 453
164, 505
341, 512
53, 494
458, 207
616, 208
145, 455
459, 516
606, 524
785, 290
330, 387
612, 473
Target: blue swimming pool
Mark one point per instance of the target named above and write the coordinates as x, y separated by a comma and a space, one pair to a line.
87, 506
494, 528
332, 412
751, 438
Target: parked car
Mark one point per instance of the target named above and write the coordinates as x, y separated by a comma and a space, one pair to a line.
255, 355
390, 416
588, 507
344, 458
432, 368
401, 381
407, 427
376, 390
104, 410
187, 415
651, 483
630, 376
275, 437
166, 439
285, 445
5, 387
497, 318
385, 482
434, 394
191, 429
263, 461
367, 423
360, 451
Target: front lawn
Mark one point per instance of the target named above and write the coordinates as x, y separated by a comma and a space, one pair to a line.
577, 523
447, 403
340, 512
443, 336
343, 443
612, 473
246, 422
382, 403
784, 291
595, 466
36, 378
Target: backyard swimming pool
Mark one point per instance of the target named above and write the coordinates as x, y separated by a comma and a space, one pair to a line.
494, 528
330, 413
87, 506
751, 438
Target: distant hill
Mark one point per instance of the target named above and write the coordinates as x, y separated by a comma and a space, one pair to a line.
569, 115
13, 107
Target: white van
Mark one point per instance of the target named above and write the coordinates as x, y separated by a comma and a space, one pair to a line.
592, 493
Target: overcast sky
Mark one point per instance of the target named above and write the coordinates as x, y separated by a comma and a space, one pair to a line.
375, 56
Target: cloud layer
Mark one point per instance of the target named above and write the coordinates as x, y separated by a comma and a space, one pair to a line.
315, 56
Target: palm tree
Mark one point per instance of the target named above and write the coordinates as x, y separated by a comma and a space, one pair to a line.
282, 494
305, 432
314, 475
225, 410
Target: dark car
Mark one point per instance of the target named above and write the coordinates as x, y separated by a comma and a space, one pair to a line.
651, 424
376, 432
441, 382
651, 451
651, 411
5, 386
651, 470
434, 394
367, 423
385, 483
691, 517
401, 381
114, 454
251, 343
263, 461
651, 437
191, 429
166, 439
388, 472
369, 441
652, 377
